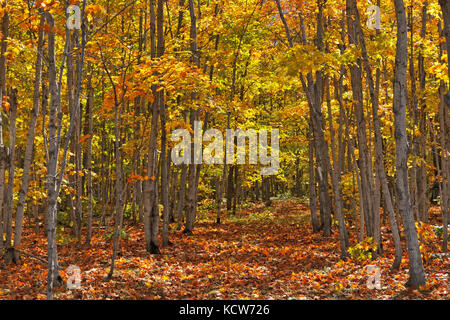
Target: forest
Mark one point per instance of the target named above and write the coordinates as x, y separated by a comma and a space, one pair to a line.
224, 149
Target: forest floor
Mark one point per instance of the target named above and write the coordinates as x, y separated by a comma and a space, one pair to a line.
259, 253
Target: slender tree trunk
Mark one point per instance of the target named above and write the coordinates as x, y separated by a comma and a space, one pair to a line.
192, 187
191, 183
90, 106
314, 94
381, 174
3, 150
364, 160
416, 271
312, 184
119, 178
444, 168
8, 206
28, 157
164, 177
151, 215
445, 132
335, 178
53, 272
422, 169
172, 193
181, 196
230, 187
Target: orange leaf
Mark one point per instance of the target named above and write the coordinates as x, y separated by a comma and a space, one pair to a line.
83, 139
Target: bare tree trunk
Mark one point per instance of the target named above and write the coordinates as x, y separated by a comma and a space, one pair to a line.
55, 125
364, 161
28, 157
422, 169
3, 149
119, 179
230, 187
381, 174
52, 185
90, 106
413, 106
354, 163
10, 255
181, 196
192, 187
45, 102
191, 184
172, 192
314, 94
444, 168
335, 178
197, 179
416, 271
151, 216
445, 132
73, 177
164, 177
222, 184
312, 184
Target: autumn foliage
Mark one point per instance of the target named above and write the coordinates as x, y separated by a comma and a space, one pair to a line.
87, 176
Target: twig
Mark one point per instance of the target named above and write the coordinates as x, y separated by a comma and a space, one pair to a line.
36, 257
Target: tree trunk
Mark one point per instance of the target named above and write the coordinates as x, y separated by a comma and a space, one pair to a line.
151, 217
90, 106
422, 179
445, 131
164, 177
416, 271
364, 160
118, 211
312, 184
52, 185
8, 207
194, 116
28, 157
335, 178
3, 149
379, 151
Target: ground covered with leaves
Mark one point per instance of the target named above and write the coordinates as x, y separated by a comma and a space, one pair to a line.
259, 253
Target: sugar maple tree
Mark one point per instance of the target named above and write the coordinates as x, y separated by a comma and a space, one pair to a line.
85, 148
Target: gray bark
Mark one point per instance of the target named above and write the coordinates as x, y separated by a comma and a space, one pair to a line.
3, 150
416, 271
28, 158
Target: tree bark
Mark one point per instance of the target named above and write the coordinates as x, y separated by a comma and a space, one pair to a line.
445, 130
3, 150
151, 215
28, 157
8, 207
335, 178
416, 271
374, 97
90, 106
194, 116
364, 161
52, 185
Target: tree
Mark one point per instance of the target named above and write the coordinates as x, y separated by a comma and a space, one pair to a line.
445, 132
416, 271
3, 150
28, 158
